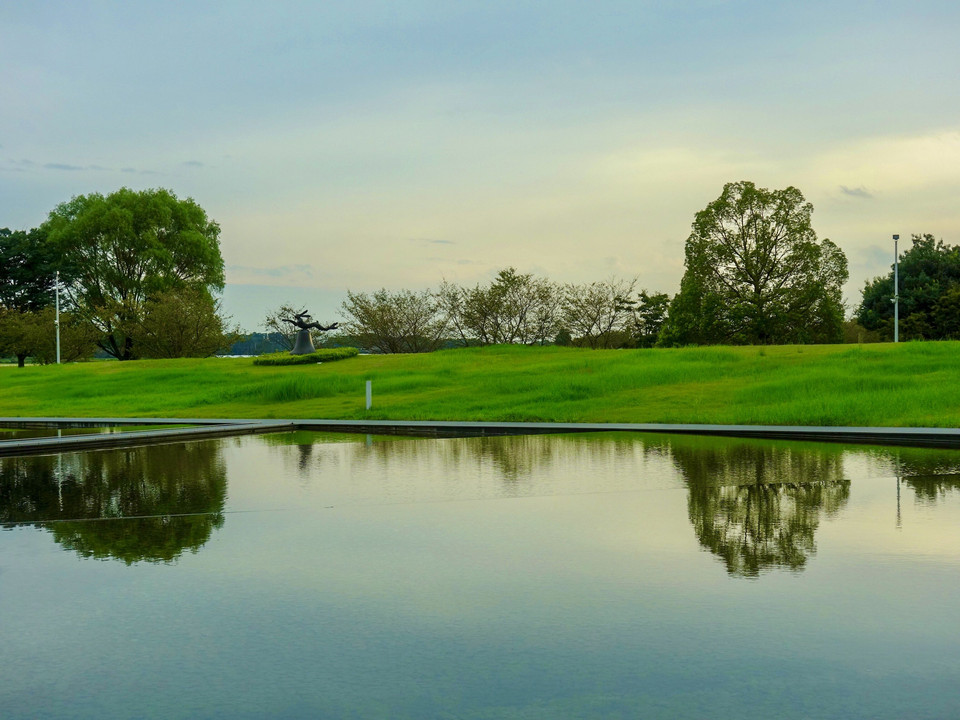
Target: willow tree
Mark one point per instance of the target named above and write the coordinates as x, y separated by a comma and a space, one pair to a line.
128, 247
756, 273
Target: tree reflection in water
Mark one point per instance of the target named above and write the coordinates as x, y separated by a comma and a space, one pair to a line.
141, 504
757, 505
931, 474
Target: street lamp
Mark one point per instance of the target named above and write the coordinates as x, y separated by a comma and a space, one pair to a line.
896, 290
57, 321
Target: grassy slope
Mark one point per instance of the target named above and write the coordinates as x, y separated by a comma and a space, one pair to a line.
911, 384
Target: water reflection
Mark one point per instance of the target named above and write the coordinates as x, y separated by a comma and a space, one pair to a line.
758, 506
143, 504
932, 475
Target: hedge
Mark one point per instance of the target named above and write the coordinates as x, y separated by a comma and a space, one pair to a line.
322, 355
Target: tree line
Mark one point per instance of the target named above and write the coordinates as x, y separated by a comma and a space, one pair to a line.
514, 308
755, 273
140, 271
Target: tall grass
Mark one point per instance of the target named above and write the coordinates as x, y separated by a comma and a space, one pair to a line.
914, 384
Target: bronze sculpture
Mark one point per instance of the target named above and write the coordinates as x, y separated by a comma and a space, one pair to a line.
303, 321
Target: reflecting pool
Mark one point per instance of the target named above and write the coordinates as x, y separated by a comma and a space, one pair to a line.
592, 576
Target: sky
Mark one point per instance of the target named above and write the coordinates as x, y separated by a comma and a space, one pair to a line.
359, 145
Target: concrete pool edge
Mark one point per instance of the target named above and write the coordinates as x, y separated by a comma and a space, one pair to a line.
223, 427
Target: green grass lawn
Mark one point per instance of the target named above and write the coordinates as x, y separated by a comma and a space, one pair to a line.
910, 384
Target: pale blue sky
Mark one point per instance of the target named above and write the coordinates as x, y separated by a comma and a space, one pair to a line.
367, 144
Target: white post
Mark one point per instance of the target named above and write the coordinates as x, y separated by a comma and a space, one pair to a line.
896, 290
369, 394
57, 321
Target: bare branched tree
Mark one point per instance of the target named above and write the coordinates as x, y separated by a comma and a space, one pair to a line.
514, 308
395, 322
598, 314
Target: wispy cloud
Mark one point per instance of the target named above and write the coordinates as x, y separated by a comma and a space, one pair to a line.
128, 170
63, 166
857, 192
875, 256
281, 271
432, 241
192, 163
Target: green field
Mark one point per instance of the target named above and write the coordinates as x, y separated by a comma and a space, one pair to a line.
910, 384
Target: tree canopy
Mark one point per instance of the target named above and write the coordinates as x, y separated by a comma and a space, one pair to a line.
394, 322
128, 247
756, 274
27, 270
27, 277
929, 293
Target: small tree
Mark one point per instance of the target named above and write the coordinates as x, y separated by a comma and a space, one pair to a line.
16, 338
514, 308
78, 339
395, 322
649, 315
183, 323
598, 314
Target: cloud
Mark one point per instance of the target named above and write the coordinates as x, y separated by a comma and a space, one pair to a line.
875, 255
192, 163
63, 166
857, 192
431, 241
128, 170
299, 272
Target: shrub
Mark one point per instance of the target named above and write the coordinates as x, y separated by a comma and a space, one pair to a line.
322, 355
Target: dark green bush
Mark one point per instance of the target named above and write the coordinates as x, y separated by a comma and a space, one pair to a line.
322, 355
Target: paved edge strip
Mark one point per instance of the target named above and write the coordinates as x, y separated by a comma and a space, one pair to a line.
79, 443
206, 428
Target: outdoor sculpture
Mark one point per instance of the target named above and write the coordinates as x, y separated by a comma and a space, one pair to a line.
304, 322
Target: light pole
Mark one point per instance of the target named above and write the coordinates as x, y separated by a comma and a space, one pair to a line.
896, 290
57, 321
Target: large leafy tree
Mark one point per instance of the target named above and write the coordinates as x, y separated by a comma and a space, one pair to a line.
929, 277
128, 247
27, 276
755, 273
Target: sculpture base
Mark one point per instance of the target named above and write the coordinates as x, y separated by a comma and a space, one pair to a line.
304, 344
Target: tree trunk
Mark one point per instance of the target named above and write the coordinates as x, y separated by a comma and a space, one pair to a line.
21, 359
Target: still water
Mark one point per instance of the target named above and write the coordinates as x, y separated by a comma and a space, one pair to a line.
17, 433
602, 576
